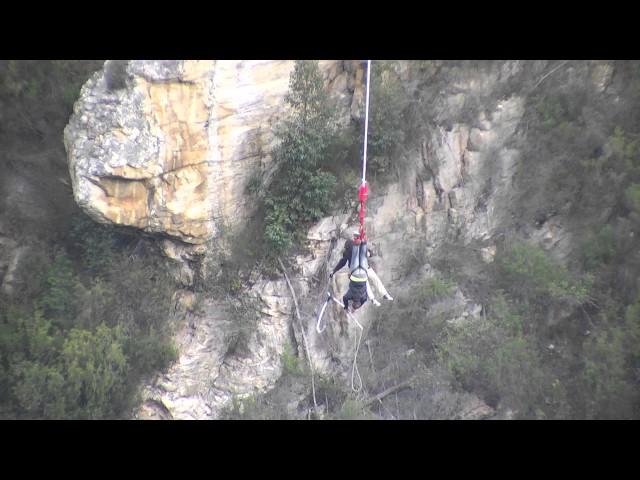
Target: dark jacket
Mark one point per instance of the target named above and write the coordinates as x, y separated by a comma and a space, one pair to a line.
358, 278
357, 291
346, 256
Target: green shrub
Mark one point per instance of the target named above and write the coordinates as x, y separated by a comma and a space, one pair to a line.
100, 338
625, 151
96, 242
301, 191
528, 272
494, 356
632, 195
611, 177
553, 110
599, 248
254, 184
150, 353
434, 289
95, 369
608, 393
386, 122
40, 390
352, 410
57, 374
611, 362
290, 362
58, 298
409, 317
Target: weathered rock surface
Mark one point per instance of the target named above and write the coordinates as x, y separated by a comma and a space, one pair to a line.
170, 153
211, 370
454, 170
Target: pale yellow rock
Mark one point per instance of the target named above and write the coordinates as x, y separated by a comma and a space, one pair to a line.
123, 202
208, 127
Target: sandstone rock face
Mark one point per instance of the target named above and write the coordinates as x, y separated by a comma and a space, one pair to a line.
170, 152
211, 370
454, 170
167, 147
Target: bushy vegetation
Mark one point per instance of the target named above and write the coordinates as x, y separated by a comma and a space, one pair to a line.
79, 345
36, 100
581, 365
318, 162
533, 277
87, 318
36, 96
290, 362
611, 366
302, 190
411, 318
434, 289
495, 356
387, 124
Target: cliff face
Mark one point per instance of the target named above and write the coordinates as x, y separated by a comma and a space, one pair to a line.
168, 146
171, 152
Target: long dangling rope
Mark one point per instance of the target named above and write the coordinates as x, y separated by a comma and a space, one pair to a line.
363, 192
354, 368
366, 124
320, 325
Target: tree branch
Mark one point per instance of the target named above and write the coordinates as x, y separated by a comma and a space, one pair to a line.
388, 391
546, 75
304, 336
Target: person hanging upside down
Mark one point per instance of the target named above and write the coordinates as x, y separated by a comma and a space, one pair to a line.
372, 277
357, 293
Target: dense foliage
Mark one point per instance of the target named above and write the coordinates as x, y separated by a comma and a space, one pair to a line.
78, 345
87, 318
302, 190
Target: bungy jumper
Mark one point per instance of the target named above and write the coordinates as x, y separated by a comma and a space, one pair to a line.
358, 264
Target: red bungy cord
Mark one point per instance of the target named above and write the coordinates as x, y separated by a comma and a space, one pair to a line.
363, 194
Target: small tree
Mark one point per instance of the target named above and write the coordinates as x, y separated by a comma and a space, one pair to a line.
494, 356
608, 383
302, 190
58, 297
95, 241
387, 102
95, 368
529, 273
